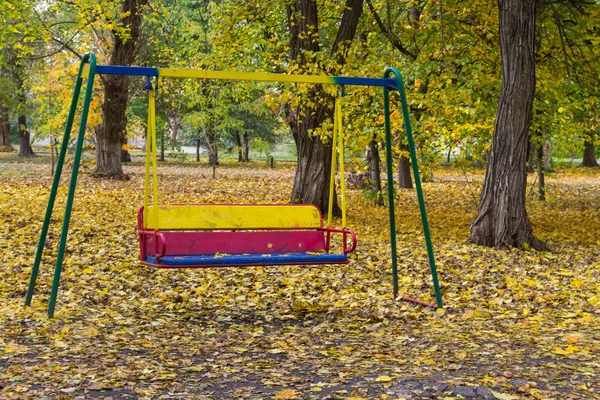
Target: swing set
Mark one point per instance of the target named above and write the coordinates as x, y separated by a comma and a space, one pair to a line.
240, 235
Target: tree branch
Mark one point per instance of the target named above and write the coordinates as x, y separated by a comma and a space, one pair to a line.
388, 34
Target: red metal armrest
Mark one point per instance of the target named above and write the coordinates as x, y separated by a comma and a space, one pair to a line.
160, 242
344, 231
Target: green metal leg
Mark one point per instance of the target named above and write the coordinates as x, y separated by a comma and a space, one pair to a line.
55, 183
73, 183
390, 178
53, 190
415, 165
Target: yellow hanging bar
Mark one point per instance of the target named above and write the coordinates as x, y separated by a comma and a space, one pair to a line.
338, 116
148, 147
333, 162
152, 115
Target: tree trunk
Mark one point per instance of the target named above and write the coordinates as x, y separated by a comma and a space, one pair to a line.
246, 148
198, 150
5, 146
374, 168
25, 149
540, 172
110, 132
502, 220
162, 148
311, 182
174, 122
238, 142
531, 158
404, 178
589, 151
213, 154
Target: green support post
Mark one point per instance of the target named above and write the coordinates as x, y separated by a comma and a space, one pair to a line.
54, 189
75, 171
91, 60
414, 161
390, 178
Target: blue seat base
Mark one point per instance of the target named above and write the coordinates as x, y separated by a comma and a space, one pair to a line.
242, 260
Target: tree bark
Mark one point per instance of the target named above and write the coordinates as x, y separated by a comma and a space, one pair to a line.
374, 168
589, 151
5, 146
502, 220
110, 132
311, 182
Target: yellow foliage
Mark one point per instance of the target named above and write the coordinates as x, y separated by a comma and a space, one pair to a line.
295, 332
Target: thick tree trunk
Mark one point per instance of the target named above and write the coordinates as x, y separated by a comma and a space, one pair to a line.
311, 183
589, 151
502, 220
5, 146
374, 170
111, 131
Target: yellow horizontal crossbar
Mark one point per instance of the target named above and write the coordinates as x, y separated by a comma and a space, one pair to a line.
243, 76
216, 217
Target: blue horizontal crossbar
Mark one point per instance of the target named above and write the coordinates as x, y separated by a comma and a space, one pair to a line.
357, 81
250, 259
121, 70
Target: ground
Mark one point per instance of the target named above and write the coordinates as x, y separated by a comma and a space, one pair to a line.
516, 324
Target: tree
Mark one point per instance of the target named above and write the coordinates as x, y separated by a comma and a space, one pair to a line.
110, 133
5, 102
18, 36
502, 220
311, 182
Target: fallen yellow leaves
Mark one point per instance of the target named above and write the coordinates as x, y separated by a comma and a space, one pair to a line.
296, 332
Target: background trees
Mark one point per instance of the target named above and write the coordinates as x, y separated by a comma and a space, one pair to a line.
448, 53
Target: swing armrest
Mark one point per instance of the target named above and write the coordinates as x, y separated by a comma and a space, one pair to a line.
159, 240
345, 232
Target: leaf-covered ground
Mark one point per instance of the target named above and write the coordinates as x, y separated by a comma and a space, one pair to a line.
517, 324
